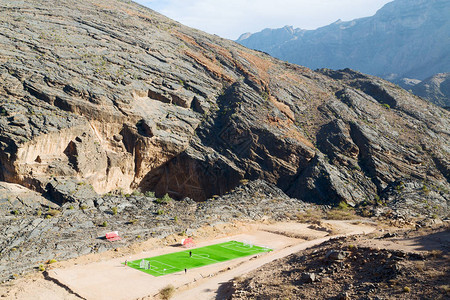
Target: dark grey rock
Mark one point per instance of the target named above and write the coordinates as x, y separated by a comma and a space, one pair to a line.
343, 296
309, 277
335, 255
71, 190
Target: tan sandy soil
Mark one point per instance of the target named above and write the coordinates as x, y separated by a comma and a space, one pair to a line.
102, 276
410, 241
34, 286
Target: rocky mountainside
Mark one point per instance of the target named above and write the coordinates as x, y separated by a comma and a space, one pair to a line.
404, 39
435, 88
99, 97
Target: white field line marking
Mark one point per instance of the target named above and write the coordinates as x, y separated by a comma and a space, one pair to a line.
153, 262
203, 256
237, 244
249, 245
163, 271
154, 270
152, 267
243, 249
246, 245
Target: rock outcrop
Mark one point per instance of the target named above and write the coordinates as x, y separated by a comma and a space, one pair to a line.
435, 89
112, 97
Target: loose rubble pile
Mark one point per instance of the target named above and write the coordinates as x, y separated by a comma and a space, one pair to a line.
341, 269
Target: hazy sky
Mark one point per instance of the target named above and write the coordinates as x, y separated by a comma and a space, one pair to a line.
231, 18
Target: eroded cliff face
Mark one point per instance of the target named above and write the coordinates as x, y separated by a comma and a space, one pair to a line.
119, 97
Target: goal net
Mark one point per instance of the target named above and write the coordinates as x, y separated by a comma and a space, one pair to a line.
247, 244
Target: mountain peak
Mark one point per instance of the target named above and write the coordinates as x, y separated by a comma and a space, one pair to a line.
244, 36
406, 38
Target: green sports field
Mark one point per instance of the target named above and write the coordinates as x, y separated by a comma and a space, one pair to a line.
178, 261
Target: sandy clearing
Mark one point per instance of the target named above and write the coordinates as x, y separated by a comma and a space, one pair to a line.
34, 287
433, 241
102, 275
109, 279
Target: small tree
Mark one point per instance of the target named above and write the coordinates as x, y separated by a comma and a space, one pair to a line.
150, 194
164, 200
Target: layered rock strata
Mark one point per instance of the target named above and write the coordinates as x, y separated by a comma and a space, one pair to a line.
116, 97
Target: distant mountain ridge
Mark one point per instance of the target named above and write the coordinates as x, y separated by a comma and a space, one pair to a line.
405, 38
